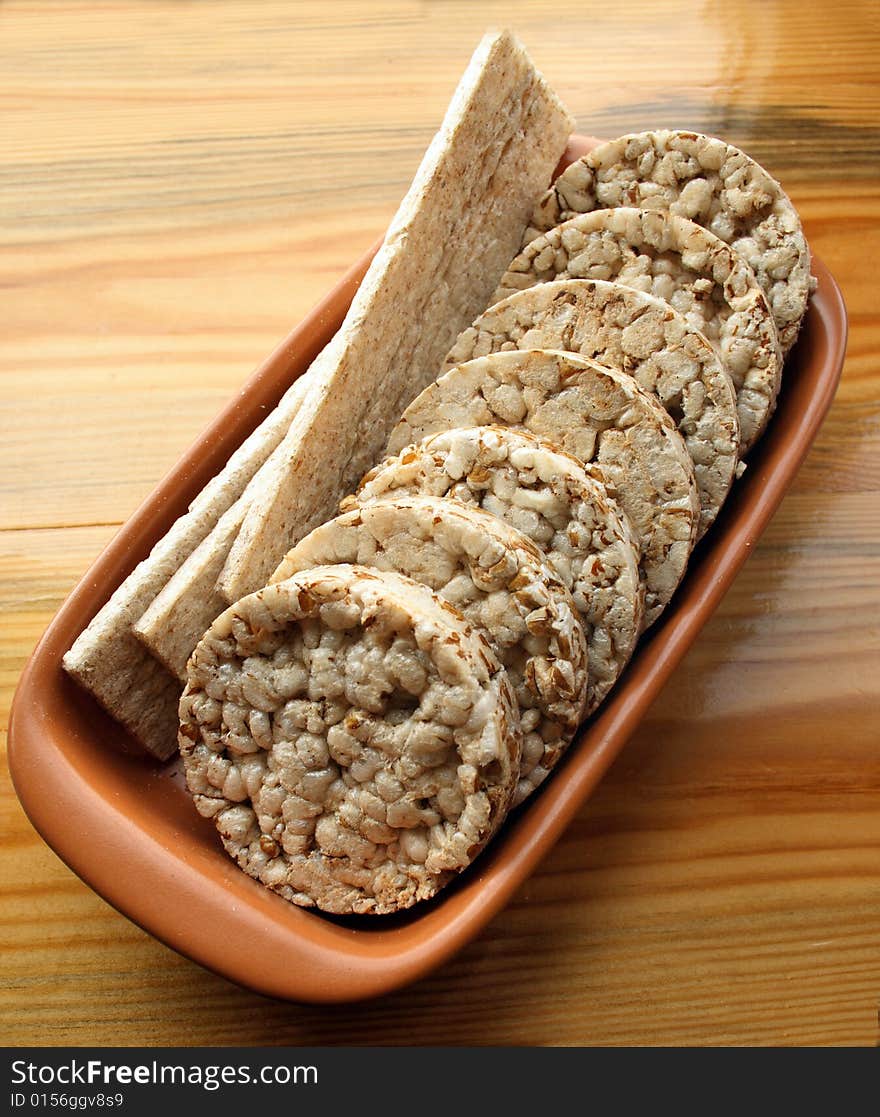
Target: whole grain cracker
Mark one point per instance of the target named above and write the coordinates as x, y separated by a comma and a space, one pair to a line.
707, 181
354, 740
684, 264
599, 415
641, 335
548, 496
499, 580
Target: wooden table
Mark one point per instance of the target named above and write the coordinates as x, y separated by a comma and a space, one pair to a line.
180, 183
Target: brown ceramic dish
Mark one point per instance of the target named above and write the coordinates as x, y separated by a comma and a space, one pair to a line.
127, 827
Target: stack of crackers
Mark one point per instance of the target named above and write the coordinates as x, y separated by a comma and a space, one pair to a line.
536, 406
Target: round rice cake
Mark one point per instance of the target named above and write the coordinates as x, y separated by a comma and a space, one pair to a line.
685, 265
707, 181
499, 580
641, 335
354, 739
548, 496
599, 415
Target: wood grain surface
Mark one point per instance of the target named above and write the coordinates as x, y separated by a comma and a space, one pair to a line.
180, 183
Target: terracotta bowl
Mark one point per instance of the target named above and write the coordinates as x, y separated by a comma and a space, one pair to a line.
126, 825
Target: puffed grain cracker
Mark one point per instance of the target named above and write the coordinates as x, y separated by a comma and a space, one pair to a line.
707, 181
549, 496
599, 415
353, 738
684, 264
499, 580
638, 334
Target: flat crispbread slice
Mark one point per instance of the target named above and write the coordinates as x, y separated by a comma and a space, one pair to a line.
189, 602
457, 229
106, 658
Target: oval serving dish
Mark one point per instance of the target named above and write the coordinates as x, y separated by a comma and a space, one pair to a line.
127, 827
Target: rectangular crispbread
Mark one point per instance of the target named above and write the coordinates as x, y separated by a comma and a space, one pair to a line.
106, 658
189, 602
454, 235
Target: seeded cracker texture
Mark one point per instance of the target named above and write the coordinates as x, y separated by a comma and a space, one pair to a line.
457, 229
640, 335
353, 738
687, 266
599, 415
709, 182
107, 659
548, 496
499, 580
